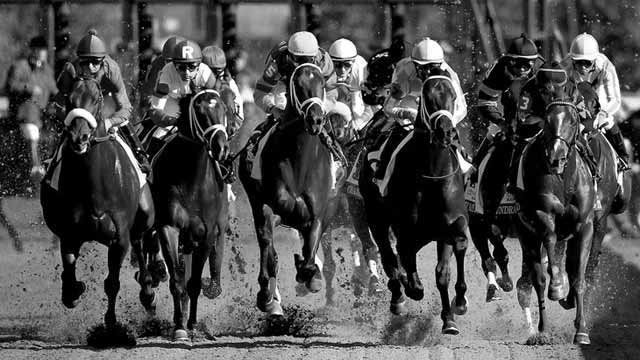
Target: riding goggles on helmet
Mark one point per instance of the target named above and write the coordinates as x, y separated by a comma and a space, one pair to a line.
301, 59
522, 63
91, 60
187, 66
347, 64
583, 63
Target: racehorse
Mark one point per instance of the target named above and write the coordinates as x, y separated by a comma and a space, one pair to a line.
556, 207
191, 200
297, 185
98, 197
350, 213
424, 202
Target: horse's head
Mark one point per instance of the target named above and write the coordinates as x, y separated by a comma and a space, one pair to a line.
559, 134
340, 122
307, 93
551, 83
436, 106
85, 102
207, 122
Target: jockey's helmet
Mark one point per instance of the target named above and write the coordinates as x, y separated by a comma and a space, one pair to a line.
342, 50
214, 57
167, 47
522, 48
91, 46
584, 47
303, 44
186, 51
427, 51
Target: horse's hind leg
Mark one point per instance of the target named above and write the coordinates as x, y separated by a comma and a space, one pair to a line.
71, 288
501, 256
117, 252
480, 230
369, 249
443, 275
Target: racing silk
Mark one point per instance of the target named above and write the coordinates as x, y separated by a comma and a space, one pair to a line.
110, 79
149, 85
405, 83
500, 85
226, 79
170, 88
22, 79
272, 86
349, 91
603, 79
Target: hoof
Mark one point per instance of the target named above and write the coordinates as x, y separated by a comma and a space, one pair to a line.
492, 293
375, 288
148, 301
180, 335
274, 309
581, 339
71, 297
315, 283
301, 290
450, 328
459, 310
262, 299
212, 289
505, 283
567, 303
556, 292
399, 308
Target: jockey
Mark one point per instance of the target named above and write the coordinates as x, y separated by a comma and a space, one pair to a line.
93, 62
585, 63
30, 83
345, 83
504, 82
406, 87
380, 72
184, 75
271, 88
215, 59
153, 72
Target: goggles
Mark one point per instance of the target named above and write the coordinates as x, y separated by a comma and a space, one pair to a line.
187, 66
92, 61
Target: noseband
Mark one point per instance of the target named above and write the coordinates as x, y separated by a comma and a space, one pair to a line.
302, 108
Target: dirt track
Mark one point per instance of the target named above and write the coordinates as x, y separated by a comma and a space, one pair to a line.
35, 324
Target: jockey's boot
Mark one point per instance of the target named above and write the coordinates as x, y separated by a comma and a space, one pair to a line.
614, 135
260, 131
130, 137
582, 145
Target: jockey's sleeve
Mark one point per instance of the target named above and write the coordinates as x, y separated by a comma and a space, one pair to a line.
460, 105
149, 85
158, 102
123, 105
361, 121
326, 64
490, 93
263, 95
18, 79
612, 89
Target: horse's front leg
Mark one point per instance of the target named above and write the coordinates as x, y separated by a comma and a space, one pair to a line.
116, 254
584, 240
194, 284
329, 268
480, 227
215, 260
169, 236
144, 218
307, 269
460, 244
547, 224
443, 275
268, 298
72, 289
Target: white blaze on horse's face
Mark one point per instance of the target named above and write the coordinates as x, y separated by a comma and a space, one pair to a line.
314, 119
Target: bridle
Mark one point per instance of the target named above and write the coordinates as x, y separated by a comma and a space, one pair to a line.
197, 132
569, 143
302, 108
429, 118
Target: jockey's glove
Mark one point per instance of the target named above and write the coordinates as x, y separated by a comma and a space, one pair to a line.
603, 120
405, 113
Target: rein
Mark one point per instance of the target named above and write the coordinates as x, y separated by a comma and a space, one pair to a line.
303, 107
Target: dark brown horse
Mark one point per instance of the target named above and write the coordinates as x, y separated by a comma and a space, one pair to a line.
98, 197
191, 201
556, 207
424, 202
296, 186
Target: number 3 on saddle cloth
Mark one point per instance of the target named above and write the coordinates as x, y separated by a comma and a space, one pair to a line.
56, 163
255, 147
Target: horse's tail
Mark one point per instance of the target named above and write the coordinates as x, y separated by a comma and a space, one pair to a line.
103, 227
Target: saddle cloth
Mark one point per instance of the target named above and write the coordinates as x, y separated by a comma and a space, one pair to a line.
53, 173
473, 198
256, 161
351, 183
